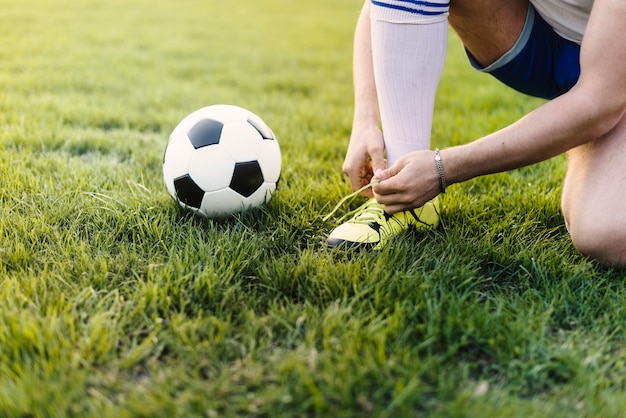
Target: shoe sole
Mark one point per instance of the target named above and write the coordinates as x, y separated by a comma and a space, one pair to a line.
340, 244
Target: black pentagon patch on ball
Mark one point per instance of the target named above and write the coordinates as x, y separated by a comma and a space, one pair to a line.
206, 132
247, 178
188, 191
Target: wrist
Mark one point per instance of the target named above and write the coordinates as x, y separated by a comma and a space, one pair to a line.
365, 123
366, 114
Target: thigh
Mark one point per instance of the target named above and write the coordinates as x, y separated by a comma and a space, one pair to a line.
488, 28
540, 63
594, 196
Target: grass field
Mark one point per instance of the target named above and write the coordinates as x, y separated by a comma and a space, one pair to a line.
116, 303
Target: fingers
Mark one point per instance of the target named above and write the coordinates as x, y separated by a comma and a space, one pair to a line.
365, 156
393, 201
363, 174
390, 191
359, 183
396, 191
378, 163
389, 179
359, 176
408, 184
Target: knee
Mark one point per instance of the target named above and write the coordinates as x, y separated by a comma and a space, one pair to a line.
600, 240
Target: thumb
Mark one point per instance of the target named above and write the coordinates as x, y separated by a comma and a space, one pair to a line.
385, 174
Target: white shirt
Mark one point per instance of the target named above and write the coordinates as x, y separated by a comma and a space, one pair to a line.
567, 17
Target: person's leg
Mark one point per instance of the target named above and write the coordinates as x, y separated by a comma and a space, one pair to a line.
527, 55
409, 48
409, 44
594, 197
488, 28
408, 60
406, 83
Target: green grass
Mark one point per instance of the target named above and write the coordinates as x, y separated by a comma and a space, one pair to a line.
116, 303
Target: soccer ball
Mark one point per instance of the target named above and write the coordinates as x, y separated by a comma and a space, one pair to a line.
221, 160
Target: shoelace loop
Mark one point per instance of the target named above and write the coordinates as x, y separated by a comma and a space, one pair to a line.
371, 208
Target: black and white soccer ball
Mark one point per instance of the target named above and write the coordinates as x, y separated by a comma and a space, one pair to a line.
221, 160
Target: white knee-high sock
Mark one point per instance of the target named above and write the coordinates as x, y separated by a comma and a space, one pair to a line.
409, 44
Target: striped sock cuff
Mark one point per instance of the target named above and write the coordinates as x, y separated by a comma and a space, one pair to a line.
409, 11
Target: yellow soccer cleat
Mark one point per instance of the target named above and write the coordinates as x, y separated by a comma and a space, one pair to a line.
371, 227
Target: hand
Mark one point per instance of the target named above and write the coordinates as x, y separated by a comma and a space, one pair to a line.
408, 184
364, 157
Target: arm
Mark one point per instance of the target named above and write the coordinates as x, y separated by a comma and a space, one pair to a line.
591, 109
588, 111
365, 151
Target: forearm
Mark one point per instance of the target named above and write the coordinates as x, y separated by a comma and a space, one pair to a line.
553, 128
586, 113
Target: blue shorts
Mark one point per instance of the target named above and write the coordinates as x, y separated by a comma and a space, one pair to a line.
541, 63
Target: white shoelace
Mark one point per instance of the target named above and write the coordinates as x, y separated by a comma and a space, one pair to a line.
350, 197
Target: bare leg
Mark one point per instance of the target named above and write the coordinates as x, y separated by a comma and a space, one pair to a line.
594, 197
488, 28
